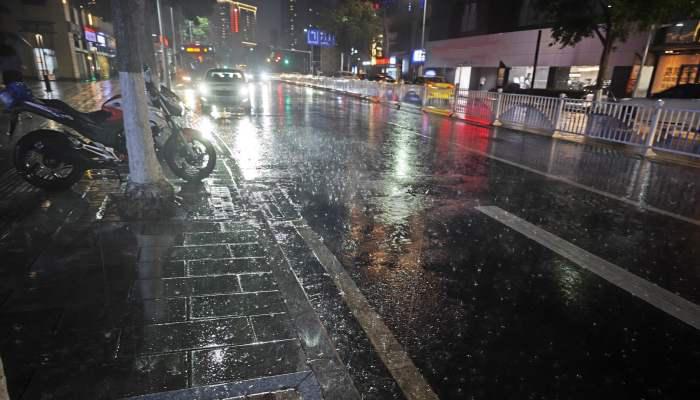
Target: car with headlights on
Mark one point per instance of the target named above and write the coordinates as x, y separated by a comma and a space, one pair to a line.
225, 88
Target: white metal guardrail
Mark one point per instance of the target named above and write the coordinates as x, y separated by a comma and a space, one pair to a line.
655, 126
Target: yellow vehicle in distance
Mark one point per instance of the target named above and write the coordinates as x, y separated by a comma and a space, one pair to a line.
437, 87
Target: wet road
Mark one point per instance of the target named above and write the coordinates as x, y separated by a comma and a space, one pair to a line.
485, 311
483, 307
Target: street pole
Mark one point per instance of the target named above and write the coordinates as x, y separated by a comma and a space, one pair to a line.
537, 58
652, 30
172, 29
422, 38
166, 73
42, 59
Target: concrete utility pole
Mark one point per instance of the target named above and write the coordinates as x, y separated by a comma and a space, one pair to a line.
643, 61
166, 71
148, 51
172, 29
537, 58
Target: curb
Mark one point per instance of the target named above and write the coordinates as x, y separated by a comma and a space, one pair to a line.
438, 111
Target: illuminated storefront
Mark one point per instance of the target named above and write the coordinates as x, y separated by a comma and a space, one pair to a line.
678, 55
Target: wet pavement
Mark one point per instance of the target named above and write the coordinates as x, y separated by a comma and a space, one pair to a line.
96, 308
344, 249
484, 311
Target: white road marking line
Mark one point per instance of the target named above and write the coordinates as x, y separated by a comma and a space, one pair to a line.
399, 364
561, 179
664, 300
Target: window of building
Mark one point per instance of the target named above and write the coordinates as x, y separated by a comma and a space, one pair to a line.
683, 32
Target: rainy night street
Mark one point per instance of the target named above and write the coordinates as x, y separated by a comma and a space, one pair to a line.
343, 250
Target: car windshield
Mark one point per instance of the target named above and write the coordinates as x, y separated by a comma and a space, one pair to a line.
224, 76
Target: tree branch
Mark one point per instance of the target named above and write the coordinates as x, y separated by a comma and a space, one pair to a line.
603, 38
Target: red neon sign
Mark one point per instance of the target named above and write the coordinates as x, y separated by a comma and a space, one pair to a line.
234, 19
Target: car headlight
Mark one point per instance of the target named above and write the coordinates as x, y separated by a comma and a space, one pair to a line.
243, 92
187, 78
203, 88
264, 76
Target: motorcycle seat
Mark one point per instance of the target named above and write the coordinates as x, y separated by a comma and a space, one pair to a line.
95, 117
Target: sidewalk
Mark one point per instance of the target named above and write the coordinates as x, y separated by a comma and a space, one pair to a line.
203, 306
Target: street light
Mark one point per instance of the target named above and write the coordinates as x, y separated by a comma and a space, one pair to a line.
42, 59
422, 39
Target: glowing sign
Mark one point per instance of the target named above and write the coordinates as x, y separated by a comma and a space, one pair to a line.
381, 61
316, 37
418, 56
235, 12
90, 35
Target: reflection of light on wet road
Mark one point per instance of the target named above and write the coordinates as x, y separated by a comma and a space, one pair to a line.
190, 98
252, 90
246, 146
570, 281
402, 163
264, 105
206, 127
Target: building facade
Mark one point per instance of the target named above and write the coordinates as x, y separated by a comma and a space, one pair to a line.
290, 20
59, 39
676, 55
234, 31
470, 39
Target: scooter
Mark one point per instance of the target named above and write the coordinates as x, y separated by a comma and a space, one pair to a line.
55, 160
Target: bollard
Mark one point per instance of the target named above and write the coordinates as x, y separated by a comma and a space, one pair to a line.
47, 83
653, 128
560, 113
497, 114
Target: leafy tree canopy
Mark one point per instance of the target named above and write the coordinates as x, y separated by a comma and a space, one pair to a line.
200, 29
354, 22
611, 21
614, 20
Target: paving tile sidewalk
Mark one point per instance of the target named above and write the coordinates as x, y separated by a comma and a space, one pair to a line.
201, 306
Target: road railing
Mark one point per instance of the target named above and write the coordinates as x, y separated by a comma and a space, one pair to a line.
649, 127
385, 92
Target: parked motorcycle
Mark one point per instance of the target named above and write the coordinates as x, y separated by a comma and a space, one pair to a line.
55, 160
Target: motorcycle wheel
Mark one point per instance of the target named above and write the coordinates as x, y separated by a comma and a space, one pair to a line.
43, 159
191, 157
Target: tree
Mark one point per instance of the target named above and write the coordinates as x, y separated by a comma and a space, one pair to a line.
148, 194
611, 21
200, 29
355, 24
3, 384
